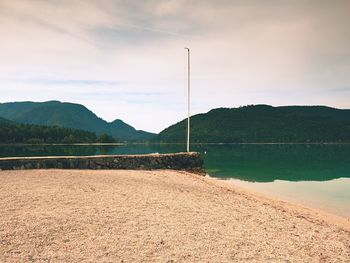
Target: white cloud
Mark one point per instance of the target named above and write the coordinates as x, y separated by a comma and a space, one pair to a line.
243, 52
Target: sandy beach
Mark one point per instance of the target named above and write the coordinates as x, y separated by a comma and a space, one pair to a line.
156, 216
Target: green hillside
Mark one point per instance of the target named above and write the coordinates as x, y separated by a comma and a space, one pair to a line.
127, 131
263, 124
11, 132
70, 115
4, 121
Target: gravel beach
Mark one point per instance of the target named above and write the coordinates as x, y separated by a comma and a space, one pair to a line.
156, 216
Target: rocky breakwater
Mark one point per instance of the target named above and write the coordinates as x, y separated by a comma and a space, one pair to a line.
191, 162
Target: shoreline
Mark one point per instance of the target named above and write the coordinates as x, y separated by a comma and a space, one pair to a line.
275, 200
64, 144
164, 215
309, 202
174, 143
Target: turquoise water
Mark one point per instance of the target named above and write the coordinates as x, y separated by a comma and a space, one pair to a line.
330, 196
313, 175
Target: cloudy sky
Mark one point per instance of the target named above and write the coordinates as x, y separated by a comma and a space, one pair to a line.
126, 59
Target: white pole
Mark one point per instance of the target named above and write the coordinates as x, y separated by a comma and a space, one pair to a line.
188, 98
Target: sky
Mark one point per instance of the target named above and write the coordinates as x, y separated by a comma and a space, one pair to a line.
126, 59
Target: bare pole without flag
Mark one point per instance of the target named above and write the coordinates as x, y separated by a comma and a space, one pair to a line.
188, 98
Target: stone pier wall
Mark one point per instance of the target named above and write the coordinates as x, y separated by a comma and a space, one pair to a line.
192, 162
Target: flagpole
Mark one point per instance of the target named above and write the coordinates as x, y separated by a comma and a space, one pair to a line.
188, 98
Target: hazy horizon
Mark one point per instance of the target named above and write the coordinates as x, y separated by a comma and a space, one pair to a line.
126, 60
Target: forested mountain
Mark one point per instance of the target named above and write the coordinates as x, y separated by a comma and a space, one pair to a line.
127, 131
3, 121
69, 115
11, 132
264, 123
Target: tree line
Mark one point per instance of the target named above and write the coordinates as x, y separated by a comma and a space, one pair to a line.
11, 132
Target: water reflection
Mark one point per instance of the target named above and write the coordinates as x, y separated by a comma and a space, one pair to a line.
248, 162
266, 163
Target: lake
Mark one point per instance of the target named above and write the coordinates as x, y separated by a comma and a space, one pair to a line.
314, 175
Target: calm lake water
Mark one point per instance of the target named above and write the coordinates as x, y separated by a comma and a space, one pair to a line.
313, 175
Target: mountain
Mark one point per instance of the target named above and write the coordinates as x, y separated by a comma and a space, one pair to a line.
70, 115
264, 123
3, 121
125, 131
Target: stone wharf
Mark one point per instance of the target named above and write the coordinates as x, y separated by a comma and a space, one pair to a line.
190, 162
